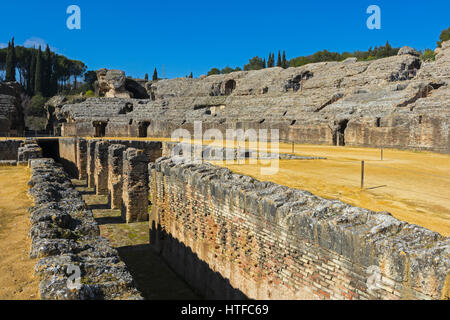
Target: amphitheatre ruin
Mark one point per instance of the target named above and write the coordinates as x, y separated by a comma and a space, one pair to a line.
116, 196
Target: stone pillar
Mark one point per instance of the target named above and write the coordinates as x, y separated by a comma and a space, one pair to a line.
82, 158
135, 185
115, 165
90, 168
101, 168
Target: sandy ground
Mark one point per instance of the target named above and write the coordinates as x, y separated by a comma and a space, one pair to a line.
412, 186
17, 280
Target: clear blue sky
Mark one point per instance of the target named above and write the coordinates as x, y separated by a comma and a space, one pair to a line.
190, 35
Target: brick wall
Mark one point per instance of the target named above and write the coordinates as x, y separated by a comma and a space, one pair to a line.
135, 185
115, 167
101, 167
229, 235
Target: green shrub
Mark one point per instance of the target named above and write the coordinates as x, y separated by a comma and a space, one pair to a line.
89, 93
445, 36
36, 107
428, 55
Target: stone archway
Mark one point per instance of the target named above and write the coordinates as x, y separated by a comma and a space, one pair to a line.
100, 128
143, 126
341, 132
230, 85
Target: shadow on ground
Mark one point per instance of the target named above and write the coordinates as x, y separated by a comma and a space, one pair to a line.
153, 277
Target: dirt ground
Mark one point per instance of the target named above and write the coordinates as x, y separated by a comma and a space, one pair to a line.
17, 280
412, 186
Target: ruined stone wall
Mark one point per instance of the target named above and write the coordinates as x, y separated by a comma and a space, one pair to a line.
115, 174
399, 102
90, 154
118, 168
101, 167
230, 235
9, 149
81, 152
68, 155
66, 237
135, 186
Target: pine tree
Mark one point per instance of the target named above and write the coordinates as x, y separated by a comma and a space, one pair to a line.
283, 61
11, 62
279, 59
155, 75
38, 73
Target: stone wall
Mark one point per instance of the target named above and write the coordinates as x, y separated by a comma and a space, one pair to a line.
398, 102
9, 149
115, 172
101, 167
68, 155
65, 237
90, 167
135, 186
118, 168
230, 235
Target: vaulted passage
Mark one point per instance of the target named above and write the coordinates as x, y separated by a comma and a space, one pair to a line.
230, 85
143, 126
100, 128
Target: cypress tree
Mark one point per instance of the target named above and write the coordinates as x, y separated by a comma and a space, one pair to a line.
271, 61
279, 59
46, 72
264, 63
283, 61
191, 75
32, 72
155, 75
38, 73
10, 62
146, 77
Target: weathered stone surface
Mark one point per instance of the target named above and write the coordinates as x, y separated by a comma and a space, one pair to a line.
29, 150
65, 236
398, 101
101, 167
274, 242
112, 84
115, 174
9, 149
90, 167
408, 50
11, 112
135, 186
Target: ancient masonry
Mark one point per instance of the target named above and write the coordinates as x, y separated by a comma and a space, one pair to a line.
101, 167
231, 236
395, 102
228, 235
66, 238
115, 169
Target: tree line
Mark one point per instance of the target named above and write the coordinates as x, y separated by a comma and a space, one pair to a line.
39, 71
